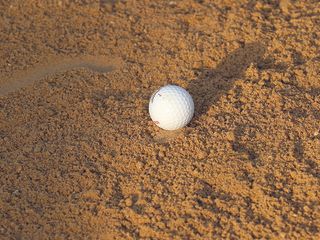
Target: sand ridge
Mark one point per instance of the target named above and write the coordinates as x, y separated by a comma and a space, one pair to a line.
54, 65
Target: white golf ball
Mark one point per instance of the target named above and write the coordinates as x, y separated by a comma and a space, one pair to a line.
171, 107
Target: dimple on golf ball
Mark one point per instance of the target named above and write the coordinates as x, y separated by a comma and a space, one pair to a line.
171, 107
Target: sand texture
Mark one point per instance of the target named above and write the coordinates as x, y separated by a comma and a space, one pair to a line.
81, 159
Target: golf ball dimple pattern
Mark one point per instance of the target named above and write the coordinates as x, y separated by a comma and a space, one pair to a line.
171, 107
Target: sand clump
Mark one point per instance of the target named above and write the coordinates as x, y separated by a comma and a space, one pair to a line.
81, 159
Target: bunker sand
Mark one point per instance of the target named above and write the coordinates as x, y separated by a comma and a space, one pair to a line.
81, 159
56, 65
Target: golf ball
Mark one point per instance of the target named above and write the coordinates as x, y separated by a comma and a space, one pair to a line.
171, 107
